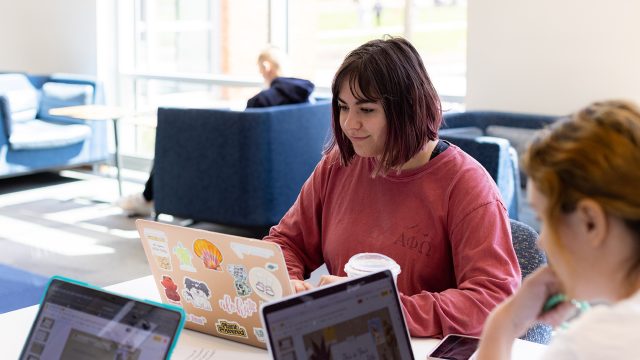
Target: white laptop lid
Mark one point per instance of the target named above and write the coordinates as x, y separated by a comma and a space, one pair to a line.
357, 319
220, 280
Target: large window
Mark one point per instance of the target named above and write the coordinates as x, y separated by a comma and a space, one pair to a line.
437, 28
202, 53
185, 53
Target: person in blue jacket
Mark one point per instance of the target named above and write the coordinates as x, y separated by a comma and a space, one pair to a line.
280, 91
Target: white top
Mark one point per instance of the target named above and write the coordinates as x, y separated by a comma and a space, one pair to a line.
603, 332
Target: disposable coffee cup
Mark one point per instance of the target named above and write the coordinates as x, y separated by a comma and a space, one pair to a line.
367, 263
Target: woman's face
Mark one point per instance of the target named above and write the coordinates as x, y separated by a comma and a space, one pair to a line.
563, 252
364, 123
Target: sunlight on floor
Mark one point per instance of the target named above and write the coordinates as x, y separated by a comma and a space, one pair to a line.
50, 239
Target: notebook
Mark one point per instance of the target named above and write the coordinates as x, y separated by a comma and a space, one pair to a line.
78, 321
219, 280
357, 319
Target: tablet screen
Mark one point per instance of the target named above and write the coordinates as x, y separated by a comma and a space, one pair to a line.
77, 322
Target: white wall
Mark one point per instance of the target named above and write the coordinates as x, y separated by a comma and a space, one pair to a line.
47, 36
551, 56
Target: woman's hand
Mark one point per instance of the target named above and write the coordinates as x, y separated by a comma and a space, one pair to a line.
300, 286
516, 314
329, 279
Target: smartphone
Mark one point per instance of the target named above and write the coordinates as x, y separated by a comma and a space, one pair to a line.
455, 347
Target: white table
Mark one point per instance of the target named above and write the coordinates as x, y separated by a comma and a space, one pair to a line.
15, 325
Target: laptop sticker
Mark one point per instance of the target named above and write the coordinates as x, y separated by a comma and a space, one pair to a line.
240, 279
243, 249
197, 293
159, 248
170, 289
184, 256
200, 320
231, 328
209, 253
243, 307
271, 267
265, 284
259, 332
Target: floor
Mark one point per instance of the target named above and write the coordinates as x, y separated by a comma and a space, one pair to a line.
64, 224
50, 224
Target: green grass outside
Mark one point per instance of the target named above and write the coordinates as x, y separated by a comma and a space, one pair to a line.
391, 17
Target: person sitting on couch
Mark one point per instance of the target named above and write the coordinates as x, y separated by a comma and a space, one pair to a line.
280, 91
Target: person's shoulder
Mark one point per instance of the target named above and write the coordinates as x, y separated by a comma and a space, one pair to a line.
603, 330
292, 81
457, 162
331, 158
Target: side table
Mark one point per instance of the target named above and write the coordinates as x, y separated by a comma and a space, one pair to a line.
98, 113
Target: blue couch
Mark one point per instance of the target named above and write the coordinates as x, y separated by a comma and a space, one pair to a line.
236, 168
31, 140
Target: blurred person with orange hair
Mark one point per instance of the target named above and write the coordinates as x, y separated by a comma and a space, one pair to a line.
584, 173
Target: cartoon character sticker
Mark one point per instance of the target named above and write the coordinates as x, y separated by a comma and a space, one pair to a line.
231, 328
197, 293
184, 256
265, 284
170, 289
244, 307
259, 332
200, 320
158, 243
240, 279
209, 253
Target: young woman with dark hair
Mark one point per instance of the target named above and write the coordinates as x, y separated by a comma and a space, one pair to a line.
387, 184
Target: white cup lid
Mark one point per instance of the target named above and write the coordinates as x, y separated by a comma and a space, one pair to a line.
366, 263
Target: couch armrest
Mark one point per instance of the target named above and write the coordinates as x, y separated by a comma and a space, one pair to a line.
5, 118
484, 119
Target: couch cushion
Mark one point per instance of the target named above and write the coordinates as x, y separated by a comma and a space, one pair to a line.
38, 134
55, 95
518, 137
21, 95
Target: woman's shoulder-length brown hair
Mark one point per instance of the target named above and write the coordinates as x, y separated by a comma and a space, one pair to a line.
390, 71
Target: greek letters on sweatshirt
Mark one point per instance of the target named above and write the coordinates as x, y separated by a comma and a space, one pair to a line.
444, 223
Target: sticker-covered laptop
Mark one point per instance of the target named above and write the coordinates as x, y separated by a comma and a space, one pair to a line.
220, 280
356, 319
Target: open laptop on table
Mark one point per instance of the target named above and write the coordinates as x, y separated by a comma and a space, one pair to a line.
220, 280
357, 319
77, 321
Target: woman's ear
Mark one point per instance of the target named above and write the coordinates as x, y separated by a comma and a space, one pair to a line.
593, 221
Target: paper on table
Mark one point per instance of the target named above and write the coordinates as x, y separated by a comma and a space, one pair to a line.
189, 353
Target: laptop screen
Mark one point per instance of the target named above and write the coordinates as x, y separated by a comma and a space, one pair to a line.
77, 322
356, 319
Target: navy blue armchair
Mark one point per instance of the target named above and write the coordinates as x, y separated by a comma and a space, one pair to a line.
31, 140
236, 168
